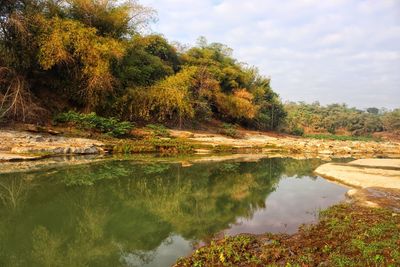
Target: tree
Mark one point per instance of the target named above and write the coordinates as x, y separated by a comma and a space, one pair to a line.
391, 120
62, 45
112, 18
69, 43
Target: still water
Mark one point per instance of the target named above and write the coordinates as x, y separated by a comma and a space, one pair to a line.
135, 213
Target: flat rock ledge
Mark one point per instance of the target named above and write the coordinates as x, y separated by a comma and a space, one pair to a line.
376, 197
376, 182
16, 145
327, 148
363, 173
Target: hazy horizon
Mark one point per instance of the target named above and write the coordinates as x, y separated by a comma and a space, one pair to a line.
327, 51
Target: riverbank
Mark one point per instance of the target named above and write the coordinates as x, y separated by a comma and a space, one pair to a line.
363, 232
375, 182
346, 235
30, 145
341, 237
364, 173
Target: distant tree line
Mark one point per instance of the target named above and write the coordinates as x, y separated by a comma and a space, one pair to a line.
338, 119
92, 56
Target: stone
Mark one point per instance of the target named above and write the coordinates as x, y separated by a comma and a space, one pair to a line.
364, 173
16, 142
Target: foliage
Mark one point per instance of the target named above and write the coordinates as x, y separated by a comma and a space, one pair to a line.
391, 120
110, 126
229, 130
147, 60
92, 56
341, 137
169, 146
231, 251
112, 18
69, 41
233, 91
158, 130
237, 105
297, 131
336, 118
62, 46
166, 100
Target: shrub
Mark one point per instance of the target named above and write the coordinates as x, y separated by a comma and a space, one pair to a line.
158, 130
236, 106
110, 126
229, 130
297, 131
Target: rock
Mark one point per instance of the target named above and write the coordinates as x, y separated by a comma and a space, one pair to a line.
16, 157
32, 128
15, 142
326, 152
53, 132
383, 173
91, 150
391, 163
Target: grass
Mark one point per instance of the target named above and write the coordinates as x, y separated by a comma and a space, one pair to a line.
230, 130
231, 251
163, 146
346, 235
341, 137
158, 130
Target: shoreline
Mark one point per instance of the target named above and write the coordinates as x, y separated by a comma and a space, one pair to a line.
371, 205
20, 145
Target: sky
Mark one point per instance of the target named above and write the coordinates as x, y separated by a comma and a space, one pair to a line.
331, 51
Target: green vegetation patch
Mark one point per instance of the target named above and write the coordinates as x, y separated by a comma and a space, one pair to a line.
158, 130
164, 146
91, 121
347, 235
341, 137
230, 130
230, 251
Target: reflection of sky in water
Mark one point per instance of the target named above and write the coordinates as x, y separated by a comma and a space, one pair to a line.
295, 201
164, 255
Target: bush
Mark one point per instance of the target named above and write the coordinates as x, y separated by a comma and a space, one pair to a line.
158, 130
342, 137
229, 130
297, 131
91, 121
167, 100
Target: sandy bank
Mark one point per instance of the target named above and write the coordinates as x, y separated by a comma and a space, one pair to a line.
384, 173
377, 181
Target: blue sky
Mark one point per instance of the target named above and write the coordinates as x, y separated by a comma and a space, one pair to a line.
344, 51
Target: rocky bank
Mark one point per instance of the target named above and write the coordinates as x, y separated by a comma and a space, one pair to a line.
23, 145
375, 182
292, 145
19, 145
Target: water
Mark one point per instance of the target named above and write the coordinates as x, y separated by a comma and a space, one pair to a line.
135, 213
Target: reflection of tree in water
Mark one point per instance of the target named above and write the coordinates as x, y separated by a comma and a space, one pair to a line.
301, 168
104, 213
14, 189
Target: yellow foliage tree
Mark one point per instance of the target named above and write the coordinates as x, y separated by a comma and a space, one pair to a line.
238, 105
69, 42
167, 100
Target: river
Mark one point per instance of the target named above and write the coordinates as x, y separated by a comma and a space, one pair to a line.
130, 212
